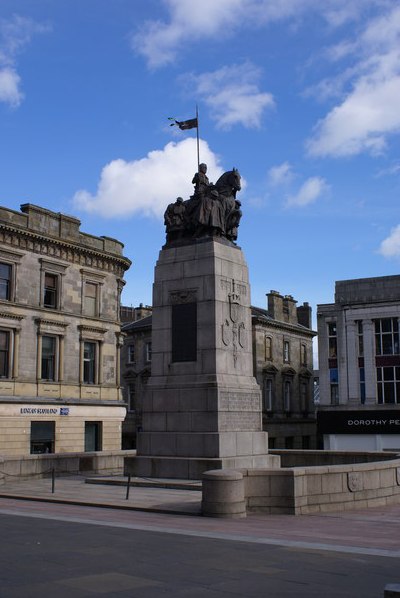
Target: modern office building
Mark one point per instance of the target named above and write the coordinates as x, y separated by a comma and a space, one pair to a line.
60, 335
359, 365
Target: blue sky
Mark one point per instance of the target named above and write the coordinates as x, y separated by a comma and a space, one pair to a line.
302, 96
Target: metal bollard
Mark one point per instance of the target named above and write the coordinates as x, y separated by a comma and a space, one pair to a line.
128, 486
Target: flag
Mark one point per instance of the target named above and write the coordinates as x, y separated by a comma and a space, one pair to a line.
184, 125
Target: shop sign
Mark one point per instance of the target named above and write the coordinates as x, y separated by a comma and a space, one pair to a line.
44, 411
359, 422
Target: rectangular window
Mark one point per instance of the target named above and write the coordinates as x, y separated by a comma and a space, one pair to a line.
5, 281
289, 442
50, 297
131, 353
131, 398
388, 384
89, 363
90, 299
334, 394
268, 348
148, 351
303, 397
286, 396
387, 336
360, 338
286, 351
303, 354
4, 354
268, 395
362, 385
332, 340
42, 437
93, 436
48, 358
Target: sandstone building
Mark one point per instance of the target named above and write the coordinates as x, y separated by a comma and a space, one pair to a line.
359, 365
282, 366
60, 335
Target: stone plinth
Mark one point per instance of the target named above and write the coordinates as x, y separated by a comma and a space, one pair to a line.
202, 408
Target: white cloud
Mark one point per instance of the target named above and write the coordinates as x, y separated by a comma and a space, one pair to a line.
308, 193
15, 34
232, 94
280, 175
10, 87
369, 113
390, 247
148, 185
190, 21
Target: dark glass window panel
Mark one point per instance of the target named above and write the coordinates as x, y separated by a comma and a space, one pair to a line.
42, 437
334, 375
378, 345
332, 347
50, 290
396, 343
4, 353
388, 374
48, 357
395, 324
387, 344
389, 392
362, 374
5, 281
89, 355
379, 374
380, 394
386, 325
332, 328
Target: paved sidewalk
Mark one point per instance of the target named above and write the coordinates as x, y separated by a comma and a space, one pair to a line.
167, 496
374, 531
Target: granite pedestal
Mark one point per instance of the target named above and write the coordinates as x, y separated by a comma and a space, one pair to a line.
202, 407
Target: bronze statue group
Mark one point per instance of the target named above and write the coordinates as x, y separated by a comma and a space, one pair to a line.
212, 210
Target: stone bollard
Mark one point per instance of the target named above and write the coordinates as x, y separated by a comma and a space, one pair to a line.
223, 494
392, 590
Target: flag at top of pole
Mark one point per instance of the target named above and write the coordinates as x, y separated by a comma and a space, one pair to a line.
185, 125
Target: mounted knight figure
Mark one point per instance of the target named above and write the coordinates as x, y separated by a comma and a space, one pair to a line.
212, 210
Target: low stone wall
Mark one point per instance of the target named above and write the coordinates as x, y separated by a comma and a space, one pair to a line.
305, 490
24, 467
309, 458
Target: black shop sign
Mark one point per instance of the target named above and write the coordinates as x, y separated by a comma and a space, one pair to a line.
358, 422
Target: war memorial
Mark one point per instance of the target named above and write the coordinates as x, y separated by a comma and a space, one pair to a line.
202, 415
202, 409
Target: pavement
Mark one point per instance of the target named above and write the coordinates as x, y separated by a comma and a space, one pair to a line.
346, 554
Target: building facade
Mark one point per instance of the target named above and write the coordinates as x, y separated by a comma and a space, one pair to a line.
359, 365
283, 367
60, 335
135, 372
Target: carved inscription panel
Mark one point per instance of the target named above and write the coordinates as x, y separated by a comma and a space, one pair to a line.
239, 401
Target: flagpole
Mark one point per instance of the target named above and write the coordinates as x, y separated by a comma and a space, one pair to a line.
198, 144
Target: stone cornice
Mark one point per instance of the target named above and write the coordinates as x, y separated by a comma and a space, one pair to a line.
6, 314
265, 323
48, 246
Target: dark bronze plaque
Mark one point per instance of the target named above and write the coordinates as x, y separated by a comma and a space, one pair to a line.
184, 332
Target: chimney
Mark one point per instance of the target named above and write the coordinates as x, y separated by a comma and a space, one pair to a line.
275, 305
304, 315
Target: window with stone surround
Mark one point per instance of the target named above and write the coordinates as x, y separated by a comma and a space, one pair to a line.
286, 351
51, 284
268, 348
303, 354
91, 293
287, 391
50, 290
90, 351
131, 353
5, 281
49, 352
268, 394
132, 397
148, 352
5, 353
332, 340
